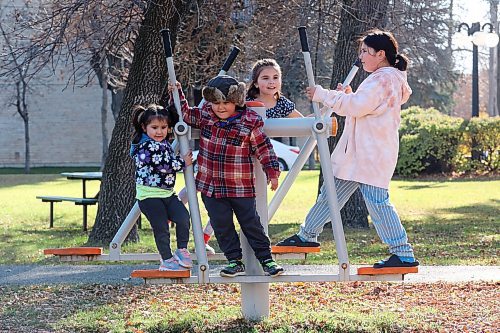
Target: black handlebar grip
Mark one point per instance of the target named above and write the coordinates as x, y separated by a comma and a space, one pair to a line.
303, 39
230, 59
165, 34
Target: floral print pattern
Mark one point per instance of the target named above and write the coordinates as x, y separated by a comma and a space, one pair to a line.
156, 164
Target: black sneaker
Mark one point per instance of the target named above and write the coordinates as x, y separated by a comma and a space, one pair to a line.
394, 261
235, 268
271, 268
296, 241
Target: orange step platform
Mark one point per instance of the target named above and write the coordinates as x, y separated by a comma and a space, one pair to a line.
294, 249
74, 251
388, 270
156, 274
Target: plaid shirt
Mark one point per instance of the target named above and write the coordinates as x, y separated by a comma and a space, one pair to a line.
225, 167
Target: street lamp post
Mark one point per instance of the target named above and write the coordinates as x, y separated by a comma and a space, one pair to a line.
478, 37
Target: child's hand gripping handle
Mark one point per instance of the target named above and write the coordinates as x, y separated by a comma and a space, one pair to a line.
230, 60
307, 60
167, 45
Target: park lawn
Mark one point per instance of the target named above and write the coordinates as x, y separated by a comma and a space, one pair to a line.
449, 222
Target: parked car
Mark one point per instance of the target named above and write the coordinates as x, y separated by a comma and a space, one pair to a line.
286, 155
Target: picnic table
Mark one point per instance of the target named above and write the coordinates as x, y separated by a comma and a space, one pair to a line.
84, 201
84, 176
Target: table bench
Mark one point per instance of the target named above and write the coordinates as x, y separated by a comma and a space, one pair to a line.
78, 201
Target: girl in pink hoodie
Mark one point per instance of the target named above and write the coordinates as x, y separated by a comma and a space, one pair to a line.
366, 154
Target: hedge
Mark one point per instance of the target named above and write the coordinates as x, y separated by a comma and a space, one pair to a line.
431, 142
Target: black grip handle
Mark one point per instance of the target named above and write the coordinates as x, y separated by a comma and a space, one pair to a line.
357, 63
165, 34
230, 59
303, 39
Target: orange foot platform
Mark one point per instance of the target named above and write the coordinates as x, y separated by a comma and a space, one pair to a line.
74, 251
388, 270
294, 249
156, 274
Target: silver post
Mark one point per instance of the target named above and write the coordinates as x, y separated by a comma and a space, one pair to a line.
181, 130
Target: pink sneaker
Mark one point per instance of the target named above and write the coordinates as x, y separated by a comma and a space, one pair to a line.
171, 265
183, 257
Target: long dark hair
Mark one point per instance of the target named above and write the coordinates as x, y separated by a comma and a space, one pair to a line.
257, 68
143, 116
384, 40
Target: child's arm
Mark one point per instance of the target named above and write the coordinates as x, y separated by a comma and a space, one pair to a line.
191, 115
366, 100
263, 150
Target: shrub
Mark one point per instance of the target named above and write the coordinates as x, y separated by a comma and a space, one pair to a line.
482, 140
429, 141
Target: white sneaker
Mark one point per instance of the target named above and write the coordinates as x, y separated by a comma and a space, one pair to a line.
171, 265
210, 250
183, 257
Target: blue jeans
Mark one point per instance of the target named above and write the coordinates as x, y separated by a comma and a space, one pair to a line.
382, 213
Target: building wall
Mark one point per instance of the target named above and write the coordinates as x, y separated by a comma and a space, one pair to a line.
64, 121
65, 126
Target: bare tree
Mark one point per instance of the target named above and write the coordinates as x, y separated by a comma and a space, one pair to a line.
18, 71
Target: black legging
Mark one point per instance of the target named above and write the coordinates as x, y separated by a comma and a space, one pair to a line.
159, 211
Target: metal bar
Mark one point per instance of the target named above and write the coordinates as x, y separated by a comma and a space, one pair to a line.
333, 205
51, 223
262, 279
283, 189
308, 64
122, 233
255, 297
181, 130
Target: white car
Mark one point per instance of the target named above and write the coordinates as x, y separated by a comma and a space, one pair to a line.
286, 155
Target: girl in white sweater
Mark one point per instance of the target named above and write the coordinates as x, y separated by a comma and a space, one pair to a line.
366, 154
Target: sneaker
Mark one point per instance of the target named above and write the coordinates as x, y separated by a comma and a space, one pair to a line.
171, 265
210, 250
271, 268
295, 240
235, 268
395, 261
183, 257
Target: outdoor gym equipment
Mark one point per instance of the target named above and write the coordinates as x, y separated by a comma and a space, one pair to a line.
255, 286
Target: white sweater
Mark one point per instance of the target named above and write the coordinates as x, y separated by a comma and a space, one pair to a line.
367, 152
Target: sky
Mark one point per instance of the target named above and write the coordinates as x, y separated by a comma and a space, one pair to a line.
470, 11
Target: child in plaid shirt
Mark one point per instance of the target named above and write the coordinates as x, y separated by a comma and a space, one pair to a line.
230, 135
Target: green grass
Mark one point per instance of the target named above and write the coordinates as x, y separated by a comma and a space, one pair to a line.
448, 221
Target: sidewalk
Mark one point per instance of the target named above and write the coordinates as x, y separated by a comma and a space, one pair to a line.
120, 274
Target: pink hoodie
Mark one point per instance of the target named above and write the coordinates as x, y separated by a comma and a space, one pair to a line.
368, 149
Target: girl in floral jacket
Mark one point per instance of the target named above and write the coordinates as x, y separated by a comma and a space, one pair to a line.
156, 165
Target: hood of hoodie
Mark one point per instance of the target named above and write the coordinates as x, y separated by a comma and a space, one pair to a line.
135, 146
402, 78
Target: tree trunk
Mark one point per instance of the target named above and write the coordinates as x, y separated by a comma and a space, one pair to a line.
357, 17
146, 83
492, 72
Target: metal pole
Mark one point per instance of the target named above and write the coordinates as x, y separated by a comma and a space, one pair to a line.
321, 134
181, 130
475, 82
255, 296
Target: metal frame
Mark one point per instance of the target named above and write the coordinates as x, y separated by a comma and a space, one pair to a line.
255, 285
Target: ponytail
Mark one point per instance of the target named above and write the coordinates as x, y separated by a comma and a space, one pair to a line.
401, 62
138, 113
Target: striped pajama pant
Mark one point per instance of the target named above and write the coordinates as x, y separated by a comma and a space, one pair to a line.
382, 213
